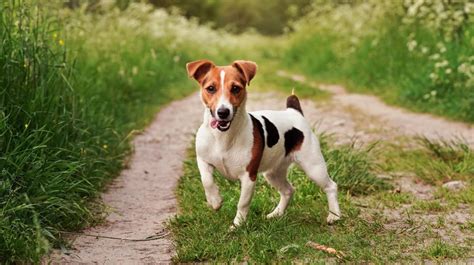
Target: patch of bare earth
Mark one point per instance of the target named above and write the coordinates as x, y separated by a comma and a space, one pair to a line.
142, 197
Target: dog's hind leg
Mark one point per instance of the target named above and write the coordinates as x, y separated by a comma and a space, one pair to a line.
278, 179
310, 158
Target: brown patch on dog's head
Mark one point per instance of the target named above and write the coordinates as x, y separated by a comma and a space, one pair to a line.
247, 68
209, 76
198, 69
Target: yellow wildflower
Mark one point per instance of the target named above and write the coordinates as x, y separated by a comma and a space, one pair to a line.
61, 42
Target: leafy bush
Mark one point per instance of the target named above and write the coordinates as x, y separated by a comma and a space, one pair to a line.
268, 17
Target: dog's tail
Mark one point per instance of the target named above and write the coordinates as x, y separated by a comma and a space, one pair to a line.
293, 102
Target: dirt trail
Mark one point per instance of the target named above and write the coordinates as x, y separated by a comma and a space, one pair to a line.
142, 197
394, 120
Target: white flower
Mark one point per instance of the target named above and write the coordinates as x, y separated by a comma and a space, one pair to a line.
448, 71
411, 45
435, 56
433, 93
441, 64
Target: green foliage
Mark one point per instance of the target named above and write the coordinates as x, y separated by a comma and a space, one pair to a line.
71, 94
270, 17
435, 162
440, 250
351, 168
416, 54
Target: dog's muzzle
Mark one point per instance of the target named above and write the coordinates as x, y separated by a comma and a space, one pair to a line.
220, 125
223, 119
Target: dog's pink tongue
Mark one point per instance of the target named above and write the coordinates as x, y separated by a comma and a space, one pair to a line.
214, 123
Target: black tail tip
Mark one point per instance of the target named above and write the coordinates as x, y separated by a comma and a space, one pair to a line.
294, 103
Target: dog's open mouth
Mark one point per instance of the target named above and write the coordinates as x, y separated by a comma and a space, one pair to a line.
220, 125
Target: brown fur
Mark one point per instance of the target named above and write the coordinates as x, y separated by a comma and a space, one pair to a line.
293, 140
294, 103
208, 74
257, 149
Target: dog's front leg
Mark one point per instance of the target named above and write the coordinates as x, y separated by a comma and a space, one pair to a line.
210, 188
247, 187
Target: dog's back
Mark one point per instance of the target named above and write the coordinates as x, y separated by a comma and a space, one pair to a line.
284, 132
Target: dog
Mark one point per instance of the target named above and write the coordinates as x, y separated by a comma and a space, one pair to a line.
240, 144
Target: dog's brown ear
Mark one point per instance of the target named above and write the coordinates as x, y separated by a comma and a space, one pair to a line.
198, 69
247, 68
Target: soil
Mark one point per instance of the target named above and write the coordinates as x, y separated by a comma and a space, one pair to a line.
142, 197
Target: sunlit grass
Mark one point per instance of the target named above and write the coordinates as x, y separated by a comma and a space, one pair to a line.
71, 95
363, 234
203, 235
399, 53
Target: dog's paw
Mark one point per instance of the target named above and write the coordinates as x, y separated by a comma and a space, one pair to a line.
274, 214
332, 218
232, 228
215, 202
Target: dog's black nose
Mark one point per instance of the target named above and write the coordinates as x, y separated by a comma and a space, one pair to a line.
223, 113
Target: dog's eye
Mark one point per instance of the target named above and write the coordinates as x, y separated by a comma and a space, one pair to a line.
211, 89
235, 90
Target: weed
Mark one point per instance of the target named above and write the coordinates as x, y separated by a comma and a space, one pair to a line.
442, 250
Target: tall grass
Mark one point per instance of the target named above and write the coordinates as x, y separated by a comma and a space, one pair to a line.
412, 53
74, 84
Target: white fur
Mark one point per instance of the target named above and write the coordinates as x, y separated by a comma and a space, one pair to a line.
223, 100
230, 152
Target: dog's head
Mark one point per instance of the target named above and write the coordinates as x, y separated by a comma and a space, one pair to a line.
223, 88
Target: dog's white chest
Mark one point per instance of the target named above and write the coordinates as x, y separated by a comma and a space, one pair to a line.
230, 161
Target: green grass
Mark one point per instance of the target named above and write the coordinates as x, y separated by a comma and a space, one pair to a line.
434, 162
364, 233
203, 235
75, 87
375, 57
440, 250
71, 96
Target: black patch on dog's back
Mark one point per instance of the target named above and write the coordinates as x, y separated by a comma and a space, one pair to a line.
272, 132
293, 140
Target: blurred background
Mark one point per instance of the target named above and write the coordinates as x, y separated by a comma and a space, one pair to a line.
78, 78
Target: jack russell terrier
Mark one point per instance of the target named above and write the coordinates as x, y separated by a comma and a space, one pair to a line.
240, 144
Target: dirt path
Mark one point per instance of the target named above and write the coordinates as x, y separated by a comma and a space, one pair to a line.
142, 197
393, 120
